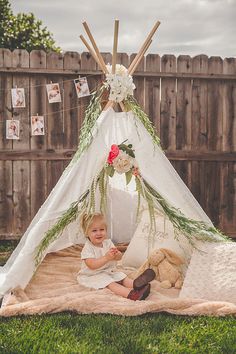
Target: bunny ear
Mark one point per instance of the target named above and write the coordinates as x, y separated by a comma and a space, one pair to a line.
172, 257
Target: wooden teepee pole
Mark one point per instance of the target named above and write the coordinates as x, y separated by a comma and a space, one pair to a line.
149, 37
115, 44
92, 52
95, 47
140, 58
114, 55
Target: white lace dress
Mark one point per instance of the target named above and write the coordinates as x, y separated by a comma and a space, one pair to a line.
103, 276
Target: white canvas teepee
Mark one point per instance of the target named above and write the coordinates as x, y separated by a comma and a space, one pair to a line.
79, 186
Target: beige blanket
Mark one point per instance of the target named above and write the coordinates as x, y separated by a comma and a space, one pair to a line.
54, 288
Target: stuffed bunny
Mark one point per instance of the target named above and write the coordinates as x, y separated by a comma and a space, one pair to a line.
165, 264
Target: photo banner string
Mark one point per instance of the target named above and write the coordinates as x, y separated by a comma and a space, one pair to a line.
79, 106
60, 82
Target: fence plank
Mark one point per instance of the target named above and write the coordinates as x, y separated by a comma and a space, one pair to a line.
184, 104
199, 128
123, 59
55, 124
6, 191
139, 82
214, 104
152, 90
71, 102
212, 191
229, 107
21, 169
88, 63
38, 105
199, 105
168, 104
55, 132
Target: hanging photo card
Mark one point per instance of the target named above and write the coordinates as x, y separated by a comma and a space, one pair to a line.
81, 86
37, 125
53, 91
18, 97
12, 129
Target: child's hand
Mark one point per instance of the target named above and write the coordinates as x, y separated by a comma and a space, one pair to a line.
110, 255
114, 250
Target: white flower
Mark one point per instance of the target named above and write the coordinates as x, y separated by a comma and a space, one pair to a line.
123, 162
120, 69
120, 84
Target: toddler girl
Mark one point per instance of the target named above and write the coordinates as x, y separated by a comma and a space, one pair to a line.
99, 256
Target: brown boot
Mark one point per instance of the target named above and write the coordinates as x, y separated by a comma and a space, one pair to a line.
139, 294
144, 278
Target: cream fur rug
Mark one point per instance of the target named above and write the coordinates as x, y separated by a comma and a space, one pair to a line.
54, 288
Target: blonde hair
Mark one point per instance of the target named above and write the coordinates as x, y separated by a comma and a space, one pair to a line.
87, 220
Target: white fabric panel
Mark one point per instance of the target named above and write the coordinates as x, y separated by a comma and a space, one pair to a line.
111, 128
144, 242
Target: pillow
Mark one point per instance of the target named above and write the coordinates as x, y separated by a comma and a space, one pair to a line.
143, 243
211, 274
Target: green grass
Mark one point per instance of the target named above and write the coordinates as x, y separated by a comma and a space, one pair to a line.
7, 246
107, 334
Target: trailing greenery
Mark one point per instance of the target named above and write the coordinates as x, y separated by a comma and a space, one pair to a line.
85, 204
71, 214
132, 104
68, 333
92, 113
191, 229
23, 31
53, 233
102, 183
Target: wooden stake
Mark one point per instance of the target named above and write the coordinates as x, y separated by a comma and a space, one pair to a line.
92, 52
115, 43
95, 47
149, 37
122, 106
140, 57
108, 105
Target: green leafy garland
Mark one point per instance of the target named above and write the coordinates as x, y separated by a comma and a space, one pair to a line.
191, 229
132, 105
85, 204
92, 113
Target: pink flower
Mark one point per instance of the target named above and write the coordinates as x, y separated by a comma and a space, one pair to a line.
113, 153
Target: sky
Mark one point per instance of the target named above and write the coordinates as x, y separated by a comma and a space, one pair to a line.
189, 27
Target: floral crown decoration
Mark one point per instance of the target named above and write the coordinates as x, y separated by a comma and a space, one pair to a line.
120, 84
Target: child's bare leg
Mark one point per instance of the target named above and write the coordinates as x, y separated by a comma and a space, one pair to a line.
128, 283
119, 289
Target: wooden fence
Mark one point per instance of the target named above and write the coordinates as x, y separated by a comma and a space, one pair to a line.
191, 101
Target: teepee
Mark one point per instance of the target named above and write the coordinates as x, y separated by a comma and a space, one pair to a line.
119, 168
